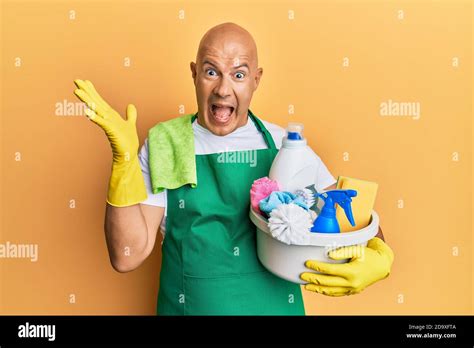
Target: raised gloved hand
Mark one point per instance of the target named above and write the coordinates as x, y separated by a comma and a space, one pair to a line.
126, 185
367, 265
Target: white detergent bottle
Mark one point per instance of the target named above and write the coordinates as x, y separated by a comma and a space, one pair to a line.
296, 165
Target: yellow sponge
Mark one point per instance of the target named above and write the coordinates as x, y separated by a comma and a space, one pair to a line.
362, 205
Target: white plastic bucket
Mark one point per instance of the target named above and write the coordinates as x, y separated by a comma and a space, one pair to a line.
288, 261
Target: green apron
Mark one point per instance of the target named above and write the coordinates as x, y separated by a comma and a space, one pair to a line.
210, 264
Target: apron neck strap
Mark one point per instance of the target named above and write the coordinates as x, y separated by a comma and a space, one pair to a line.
260, 126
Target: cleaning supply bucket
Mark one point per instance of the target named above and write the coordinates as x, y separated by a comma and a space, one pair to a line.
288, 261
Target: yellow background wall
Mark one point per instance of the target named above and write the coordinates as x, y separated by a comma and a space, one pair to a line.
400, 51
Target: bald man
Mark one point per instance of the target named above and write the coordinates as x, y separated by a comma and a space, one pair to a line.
209, 262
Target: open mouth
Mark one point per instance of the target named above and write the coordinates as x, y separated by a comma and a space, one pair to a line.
221, 113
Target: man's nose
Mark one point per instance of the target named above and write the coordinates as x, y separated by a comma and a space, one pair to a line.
223, 88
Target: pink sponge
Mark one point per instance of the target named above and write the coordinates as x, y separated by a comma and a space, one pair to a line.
261, 188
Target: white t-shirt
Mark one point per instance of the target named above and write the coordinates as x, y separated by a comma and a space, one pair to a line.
246, 137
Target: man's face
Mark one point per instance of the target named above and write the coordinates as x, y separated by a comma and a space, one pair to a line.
225, 76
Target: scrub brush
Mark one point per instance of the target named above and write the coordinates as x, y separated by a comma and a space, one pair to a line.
290, 224
307, 195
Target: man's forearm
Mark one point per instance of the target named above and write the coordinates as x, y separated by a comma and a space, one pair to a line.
126, 235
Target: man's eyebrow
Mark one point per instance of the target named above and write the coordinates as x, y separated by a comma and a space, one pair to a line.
209, 62
244, 65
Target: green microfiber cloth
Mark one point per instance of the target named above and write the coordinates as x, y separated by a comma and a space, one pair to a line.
171, 157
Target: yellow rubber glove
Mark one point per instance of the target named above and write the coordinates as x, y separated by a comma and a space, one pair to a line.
126, 185
367, 265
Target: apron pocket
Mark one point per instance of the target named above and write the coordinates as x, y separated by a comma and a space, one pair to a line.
258, 293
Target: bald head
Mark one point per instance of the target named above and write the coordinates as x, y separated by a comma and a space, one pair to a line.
232, 40
226, 74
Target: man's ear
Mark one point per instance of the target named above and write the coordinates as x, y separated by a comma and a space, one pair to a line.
192, 65
258, 76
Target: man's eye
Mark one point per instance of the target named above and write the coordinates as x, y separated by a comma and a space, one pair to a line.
239, 75
211, 72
